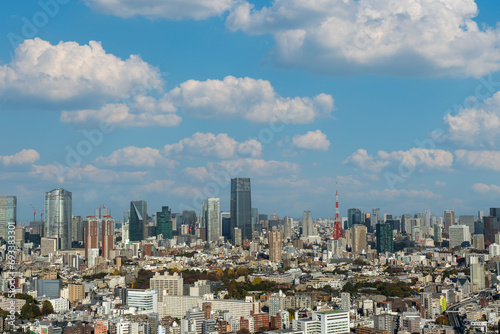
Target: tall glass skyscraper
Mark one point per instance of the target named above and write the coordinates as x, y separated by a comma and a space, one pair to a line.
8, 213
384, 238
138, 221
164, 223
59, 216
241, 207
212, 219
307, 224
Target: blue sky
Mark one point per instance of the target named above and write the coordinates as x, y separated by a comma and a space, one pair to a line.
302, 97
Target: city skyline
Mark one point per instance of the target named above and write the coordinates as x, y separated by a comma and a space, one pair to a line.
403, 130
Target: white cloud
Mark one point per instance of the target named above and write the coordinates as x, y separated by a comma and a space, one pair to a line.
312, 140
136, 156
414, 157
171, 9
221, 146
68, 71
397, 37
479, 159
259, 167
362, 159
199, 174
247, 98
158, 186
61, 174
143, 111
484, 188
479, 126
440, 184
390, 194
26, 156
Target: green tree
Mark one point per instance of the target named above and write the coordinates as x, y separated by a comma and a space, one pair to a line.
47, 308
29, 311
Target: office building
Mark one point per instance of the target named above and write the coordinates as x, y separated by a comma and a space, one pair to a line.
386, 322
277, 302
167, 284
494, 250
212, 219
108, 235
477, 272
437, 233
449, 220
164, 224
353, 217
227, 233
325, 322
345, 301
307, 224
275, 239
78, 227
458, 235
478, 241
138, 221
8, 214
91, 230
49, 288
287, 228
358, 238
48, 246
241, 207
76, 292
384, 239
196, 317
490, 228
58, 217
237, 238
143, 299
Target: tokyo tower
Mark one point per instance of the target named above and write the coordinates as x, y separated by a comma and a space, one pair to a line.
337, 227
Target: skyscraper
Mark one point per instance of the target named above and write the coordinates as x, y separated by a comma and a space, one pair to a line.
384, 239
241, 207
164, 223
138, 221
459, 234
212, 219
77, 226
91, 231
287, 228
8, 213
307, 224
108, 235
100, 214
490, 228
58, 216
449, 220
358, 236
353, 217
275, 239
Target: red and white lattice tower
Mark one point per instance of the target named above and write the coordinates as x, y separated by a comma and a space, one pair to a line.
337, 227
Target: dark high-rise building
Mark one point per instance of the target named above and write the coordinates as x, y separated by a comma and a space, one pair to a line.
77, 226
353, 217
164, 223
490, 228
91, 231
138, 221
449, 220
241, 207
384, 239
190, 219
226, 225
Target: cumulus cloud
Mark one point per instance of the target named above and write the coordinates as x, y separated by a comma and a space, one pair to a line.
484, 188
479, 159
68, 71
171, 9
390, 194
250, 166
143, 111
479, 126
61, 174
365, 161
26, 156
247, 98
208, 144
397, 37
414, 157
158, 186
199, 174
137, 157
312, 140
